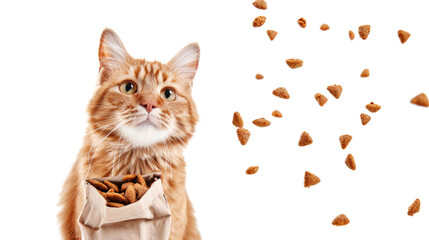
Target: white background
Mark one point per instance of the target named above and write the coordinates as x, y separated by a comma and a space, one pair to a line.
49, 65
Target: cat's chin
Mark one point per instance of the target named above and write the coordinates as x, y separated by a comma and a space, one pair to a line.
145, 134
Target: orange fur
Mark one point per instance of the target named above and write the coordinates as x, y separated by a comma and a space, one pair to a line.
110, 148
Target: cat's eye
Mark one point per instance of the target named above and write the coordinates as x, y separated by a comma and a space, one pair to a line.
128, 87
168, 94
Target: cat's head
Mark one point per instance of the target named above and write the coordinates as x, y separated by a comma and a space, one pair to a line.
144, 103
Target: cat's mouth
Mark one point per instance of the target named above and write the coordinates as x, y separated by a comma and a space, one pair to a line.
147, 123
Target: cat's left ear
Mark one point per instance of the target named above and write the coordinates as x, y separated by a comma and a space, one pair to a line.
185, 63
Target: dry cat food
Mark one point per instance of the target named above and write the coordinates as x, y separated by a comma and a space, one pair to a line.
259, 76
351, 35
364, 118
365, 73
421, 100
403, 36
271, 34
310, 179
294, 63
302, 22
414, 208
277, 114
237, 120
243, 135
252, 170
259, 21
281, 92
372, 107
261, 122
118, 195
364, 31
350, 162
305, 139
321, 99
335, 90
340, 220
324, 27
261, 4
345, 140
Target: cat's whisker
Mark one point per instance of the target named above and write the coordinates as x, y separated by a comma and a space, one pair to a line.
114, 155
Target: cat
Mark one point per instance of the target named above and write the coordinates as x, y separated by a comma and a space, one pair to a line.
141, 117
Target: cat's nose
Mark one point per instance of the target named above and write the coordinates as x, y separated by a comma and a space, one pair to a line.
148, 106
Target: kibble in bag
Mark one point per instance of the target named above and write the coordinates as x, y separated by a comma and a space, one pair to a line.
147, 218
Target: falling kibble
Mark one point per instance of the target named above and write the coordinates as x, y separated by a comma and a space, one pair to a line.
364, 31
305, 139
403, 36
261, 122
243, 135
237, 120
350, 162
345, 140
259, 21
364, 118
277, 114
420, 100
281, 92
271, 34
340, 220
294, 63
259, 76
365, 73
351, 35
321, 99
324, 27
302, 22
252, 170
335, 90
310, 179
414, 208
372, 107
260, 4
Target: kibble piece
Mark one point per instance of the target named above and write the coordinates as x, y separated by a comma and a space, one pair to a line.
130, 194
281, 92
364, 31
321, 99
335, 90
351, 35
261, 4
237, 120
340, 220
99, 185
403, 36
111, 185
129, 178
365, 73
305, 139
261, 122
140, 189
302, 22
365, 118
350, 162
116, 197
102, 193
310, 179
243, 135
114, 204
277, 114
414, 208
259, 76
345, 140
125, 186
324, 27
421, 100
252, 170
141, 180
294, 63
271, 34
111, 190
259, 21
372, 107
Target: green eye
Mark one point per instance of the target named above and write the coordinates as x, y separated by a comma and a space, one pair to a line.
128, 87
168, 94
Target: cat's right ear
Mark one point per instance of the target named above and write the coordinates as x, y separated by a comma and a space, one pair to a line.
111, 52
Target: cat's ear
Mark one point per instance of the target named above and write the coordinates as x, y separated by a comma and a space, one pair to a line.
111, 51
185, 63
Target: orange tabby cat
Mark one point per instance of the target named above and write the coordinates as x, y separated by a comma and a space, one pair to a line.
140, 119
